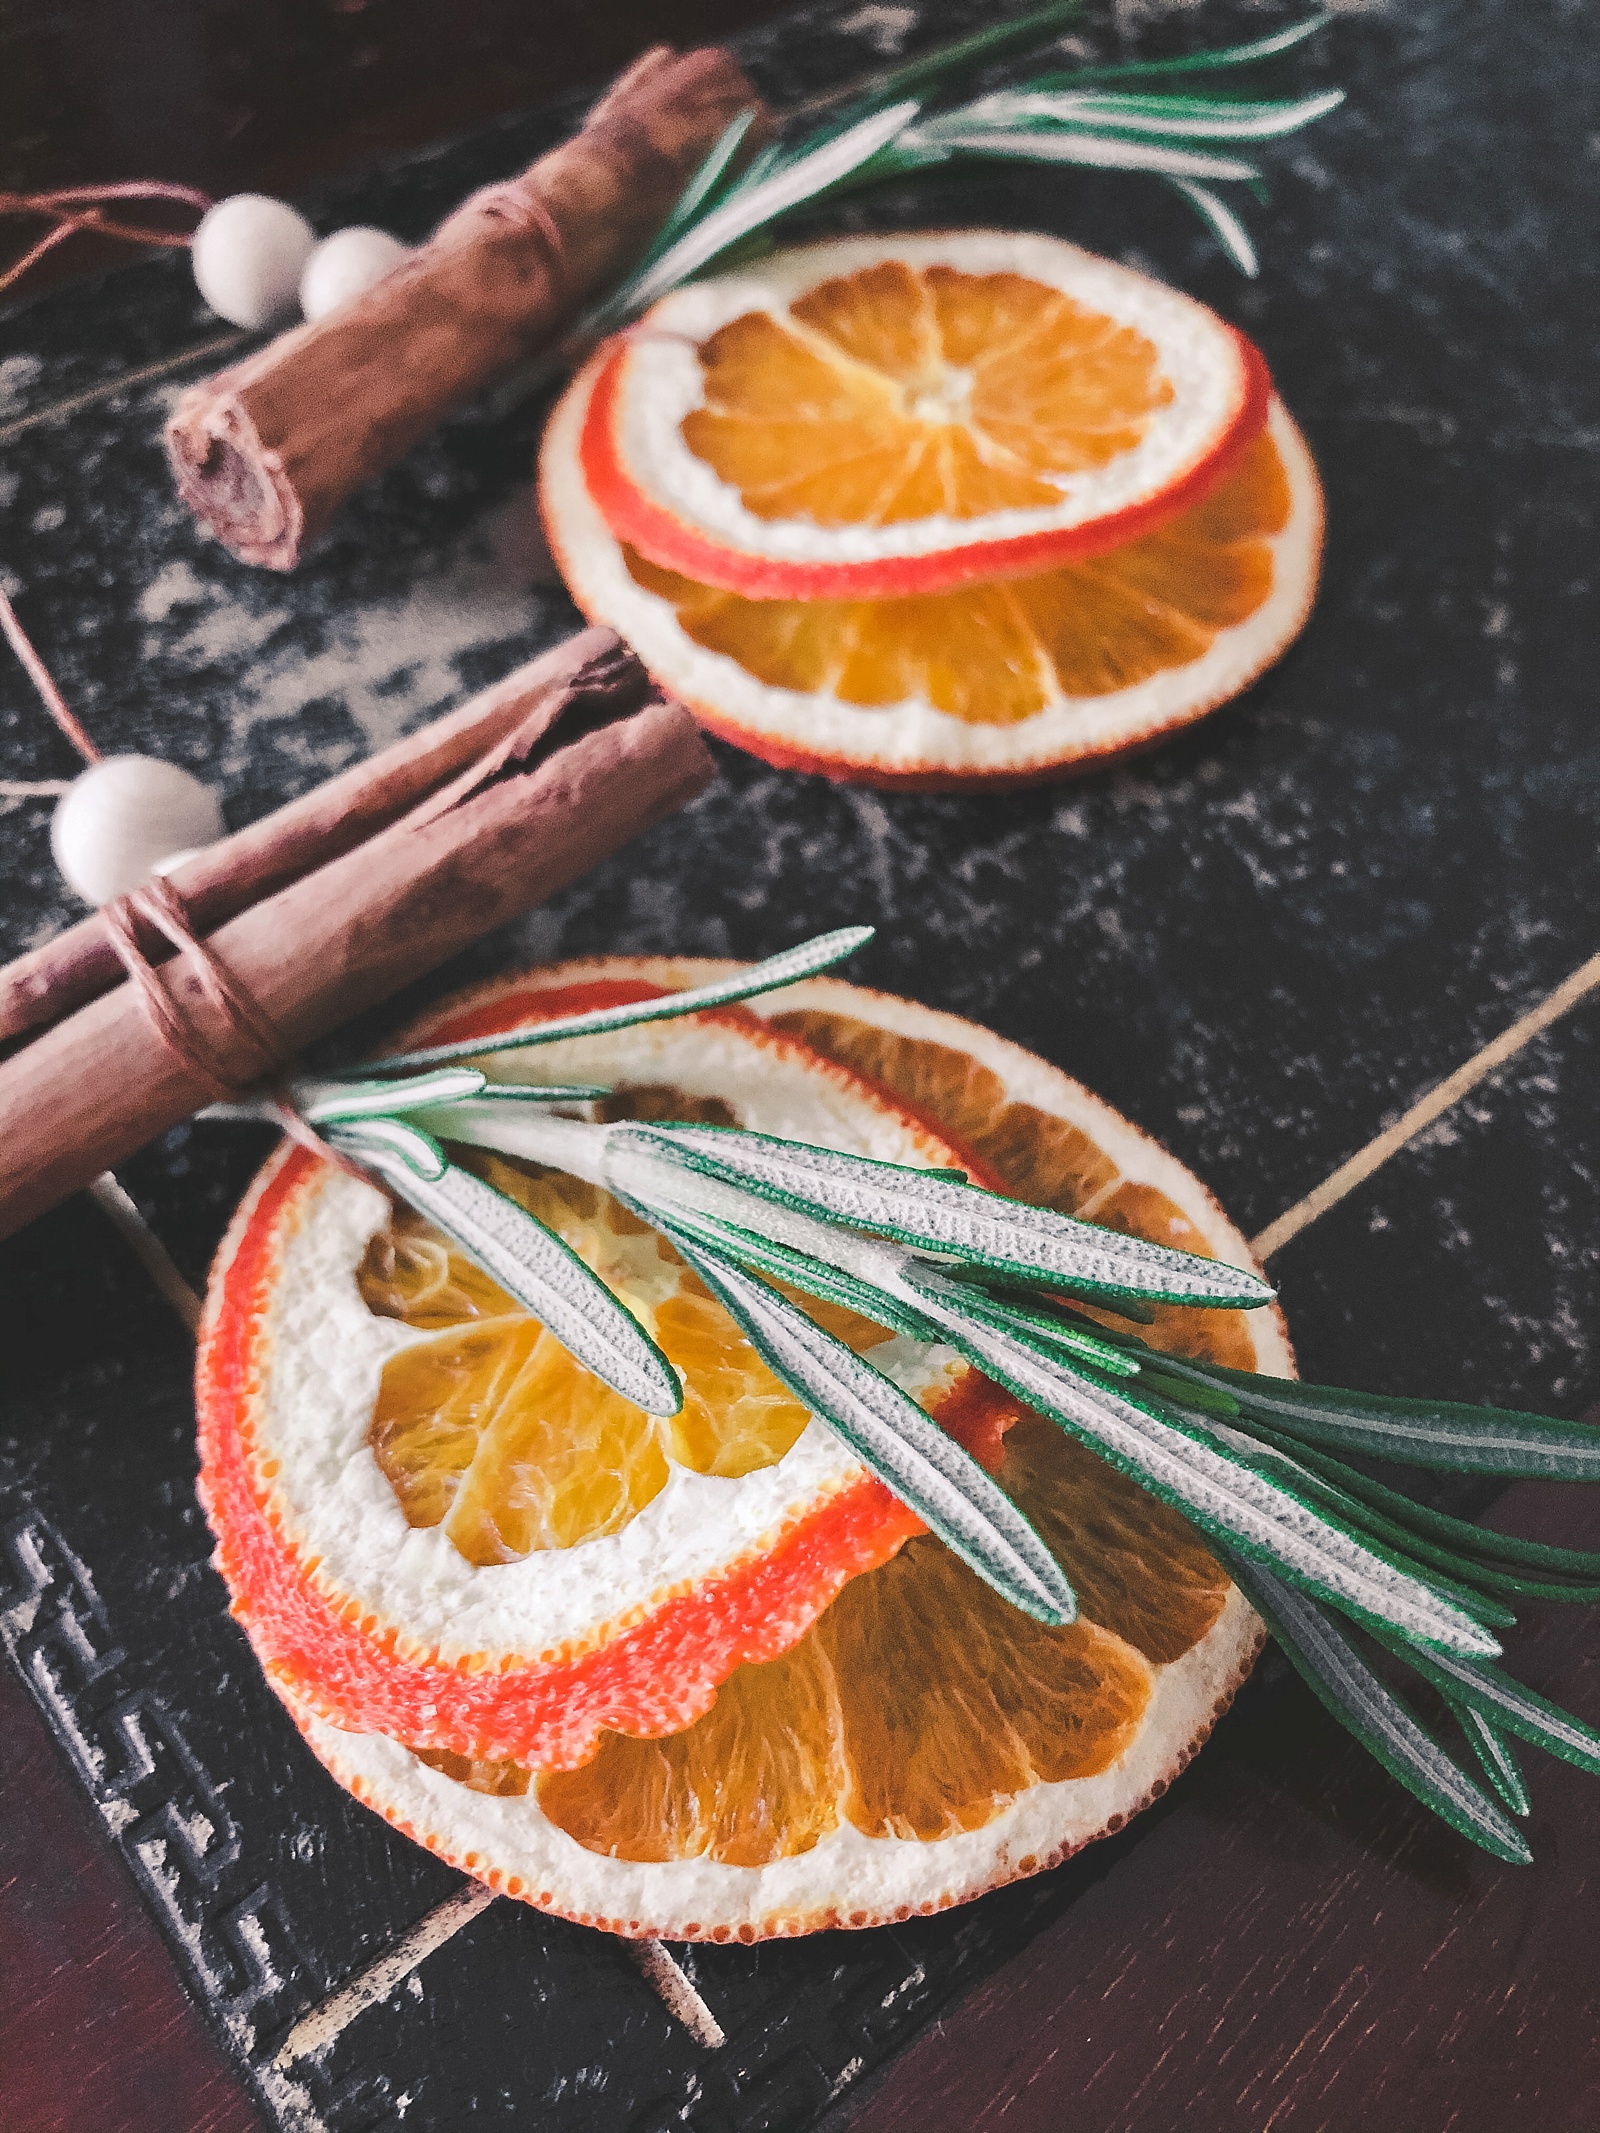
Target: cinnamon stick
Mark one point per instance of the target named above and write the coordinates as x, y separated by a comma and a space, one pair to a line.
595, 764
235, 872
266, 451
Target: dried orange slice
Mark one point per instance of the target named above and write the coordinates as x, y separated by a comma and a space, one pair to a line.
434, 1523
1009, 683
923, 1742
900, 414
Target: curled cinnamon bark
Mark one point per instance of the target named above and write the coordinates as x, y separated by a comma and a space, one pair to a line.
266, 451
594, 762
227, 877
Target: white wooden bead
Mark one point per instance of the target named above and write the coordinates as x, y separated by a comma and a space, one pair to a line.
345, 264
248, 254
122, 817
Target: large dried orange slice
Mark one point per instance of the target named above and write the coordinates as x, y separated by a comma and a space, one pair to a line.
923, 1741
1014, 682
434, 1523
899, 414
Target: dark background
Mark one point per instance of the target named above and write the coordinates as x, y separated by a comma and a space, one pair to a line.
1261, 942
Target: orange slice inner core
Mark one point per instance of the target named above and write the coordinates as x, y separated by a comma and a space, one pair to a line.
994, 654
901, 393
920, 1704
489, 1428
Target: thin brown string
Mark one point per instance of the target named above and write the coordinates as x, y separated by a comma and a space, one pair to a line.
158, 904
250, 1028
81, 207
39, 674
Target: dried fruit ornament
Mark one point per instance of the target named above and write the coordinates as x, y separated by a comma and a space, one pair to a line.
698, 1674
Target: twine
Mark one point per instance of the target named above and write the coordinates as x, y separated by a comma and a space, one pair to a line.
81, 207
158, 904
39, 674
250, 1029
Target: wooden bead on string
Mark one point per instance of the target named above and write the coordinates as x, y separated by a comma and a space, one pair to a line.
344, 265
249, 253
127, 817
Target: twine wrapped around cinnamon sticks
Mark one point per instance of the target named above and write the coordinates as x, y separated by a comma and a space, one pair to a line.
266, 451
447, 837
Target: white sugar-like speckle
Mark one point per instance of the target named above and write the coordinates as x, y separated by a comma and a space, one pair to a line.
885, 29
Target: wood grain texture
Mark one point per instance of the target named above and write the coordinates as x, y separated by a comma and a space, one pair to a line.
1297, 1947
95, 2029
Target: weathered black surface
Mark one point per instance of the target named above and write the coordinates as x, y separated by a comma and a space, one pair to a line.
1261, 942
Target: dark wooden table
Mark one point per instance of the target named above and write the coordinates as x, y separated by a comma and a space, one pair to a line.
1266, 942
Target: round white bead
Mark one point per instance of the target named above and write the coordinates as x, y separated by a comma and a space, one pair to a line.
345, 264
115, 824
248, 254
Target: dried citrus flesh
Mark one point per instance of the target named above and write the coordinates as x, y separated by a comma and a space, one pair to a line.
815, 1791
886, 415
995, 654
490, 1429
893, 394
434, 1523
1036, 1156
919, 1704
1016, 680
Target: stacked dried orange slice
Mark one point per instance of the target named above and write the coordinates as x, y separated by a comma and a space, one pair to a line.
932, 509
700, 1675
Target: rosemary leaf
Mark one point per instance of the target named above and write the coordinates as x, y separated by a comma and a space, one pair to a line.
1182, 1463
703, 191
1461, 1536
893, 1438
329, 1103
1421, 1559
1222, 222
1508, 1705
805, 175
1253, 54
928, 1212
1495, 1753
528, 1092
804, 961
800, 1269
407, 1148
1442, 1434
1466, 1552
1093, 151
1346, 1686
1168, 118
531, 1263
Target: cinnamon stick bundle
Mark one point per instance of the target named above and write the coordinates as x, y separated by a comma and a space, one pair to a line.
598, 757
227, 877
266, 451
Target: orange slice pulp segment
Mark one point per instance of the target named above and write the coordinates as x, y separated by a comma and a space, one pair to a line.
996, 654
491, 1429
878, 416
894, 394
920, 1704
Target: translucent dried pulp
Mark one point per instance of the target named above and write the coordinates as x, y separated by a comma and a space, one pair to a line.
920, 1741
877, 416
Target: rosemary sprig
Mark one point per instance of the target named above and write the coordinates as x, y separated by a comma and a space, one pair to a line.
1258, 1464
1085, 117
